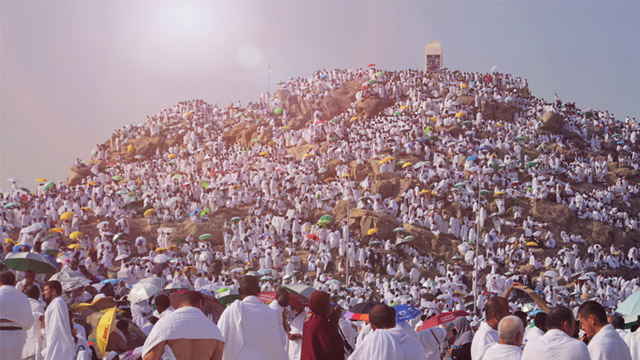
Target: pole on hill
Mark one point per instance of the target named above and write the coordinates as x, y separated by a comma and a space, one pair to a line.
269, 70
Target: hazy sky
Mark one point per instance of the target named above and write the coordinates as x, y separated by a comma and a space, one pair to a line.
72, 72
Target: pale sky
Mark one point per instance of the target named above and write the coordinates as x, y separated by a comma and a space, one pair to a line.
72, 72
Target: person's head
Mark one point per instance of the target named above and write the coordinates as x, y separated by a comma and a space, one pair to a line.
592, 317
320, 303
522, 316
561, 318
30, 275
123, 325
461, 325
249, 286
162, 303
510, 330
496, 308
32, 292
617, 322
282, 297
8, 278
52, 289
73, 263
540, 321
382, 317
191, 298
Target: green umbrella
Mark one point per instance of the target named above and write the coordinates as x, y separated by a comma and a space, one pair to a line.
460, 184
117, 178
205, 236
205, 184
117, 237
379, 73
227, 296
49, 185
485, 192
373, 82
432, 137
531, 164
334, 138
278, 110
408, 238
205, 212
328, 218
335, 120
399, 229
466, 123
23, 261
235, 219
520, 138
428, 129
283, 196
29, 191
397, 113
11, 205
323, 223
375, 242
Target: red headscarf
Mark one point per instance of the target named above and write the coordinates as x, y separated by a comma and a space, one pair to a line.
320, 339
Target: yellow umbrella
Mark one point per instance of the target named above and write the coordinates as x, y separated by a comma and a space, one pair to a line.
75, 235
104, 328
308, 155
353, 118
55, 230
434, 119
171, 156
498, 193
9, 241
403, 107
91, 183
422, 192
407, 164
499, 125
345, 175
532, 243
75, 246
66, 215
271, 143
372, 231
286, 127
149, 212
160, 249
263, 153
463, 85
41, 180
87, 209
459, 115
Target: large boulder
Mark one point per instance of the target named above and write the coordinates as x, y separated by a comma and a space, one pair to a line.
370, 107
498, 111
627, 173
77, 174
551, 123
299, 152
553, 213
359, 171
390, 185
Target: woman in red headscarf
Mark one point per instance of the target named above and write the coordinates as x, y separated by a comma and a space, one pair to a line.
320, 337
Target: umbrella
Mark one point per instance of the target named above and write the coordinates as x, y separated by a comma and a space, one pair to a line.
300, 289
630, 307
313, 237
375, 242
532, 243
144, 290
49, 185
179, 285
328, 218
227, 296
551, 273
104, 328
117, 237
75, 247
66, 215
267, 278
149, 212
333, 282
442, 318
41, 180
235, 219
55, 230
205, 236
372, 231
263, 271
405, 312
399, 229
109, 281
162, 258
360, 311
371, 65
75, 235
278, 110
295, 300
23, 261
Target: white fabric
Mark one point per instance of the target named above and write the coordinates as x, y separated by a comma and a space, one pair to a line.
389, 344
295, 346
60, 344
483, 338
556, 345
279, 310
608, 345
34, 335
433, 340
251, 330
11, 342
634, 348
15, 307
502, 352
185, 323
532, 335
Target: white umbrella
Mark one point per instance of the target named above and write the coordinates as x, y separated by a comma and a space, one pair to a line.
179, 285
551, 273
162, 258
34, 227
121, 257
143, 291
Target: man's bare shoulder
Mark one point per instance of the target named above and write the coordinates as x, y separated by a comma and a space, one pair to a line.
194, 349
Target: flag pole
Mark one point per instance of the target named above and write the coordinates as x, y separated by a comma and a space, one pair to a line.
269, 79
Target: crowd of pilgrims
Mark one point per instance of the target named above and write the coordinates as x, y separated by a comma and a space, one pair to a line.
279, 241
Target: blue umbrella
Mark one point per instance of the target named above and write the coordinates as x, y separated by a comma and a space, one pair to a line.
109, 281
18, 247
194, 212
471, 158
406, 312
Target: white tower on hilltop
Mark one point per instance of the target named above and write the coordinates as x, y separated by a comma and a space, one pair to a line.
433, 56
